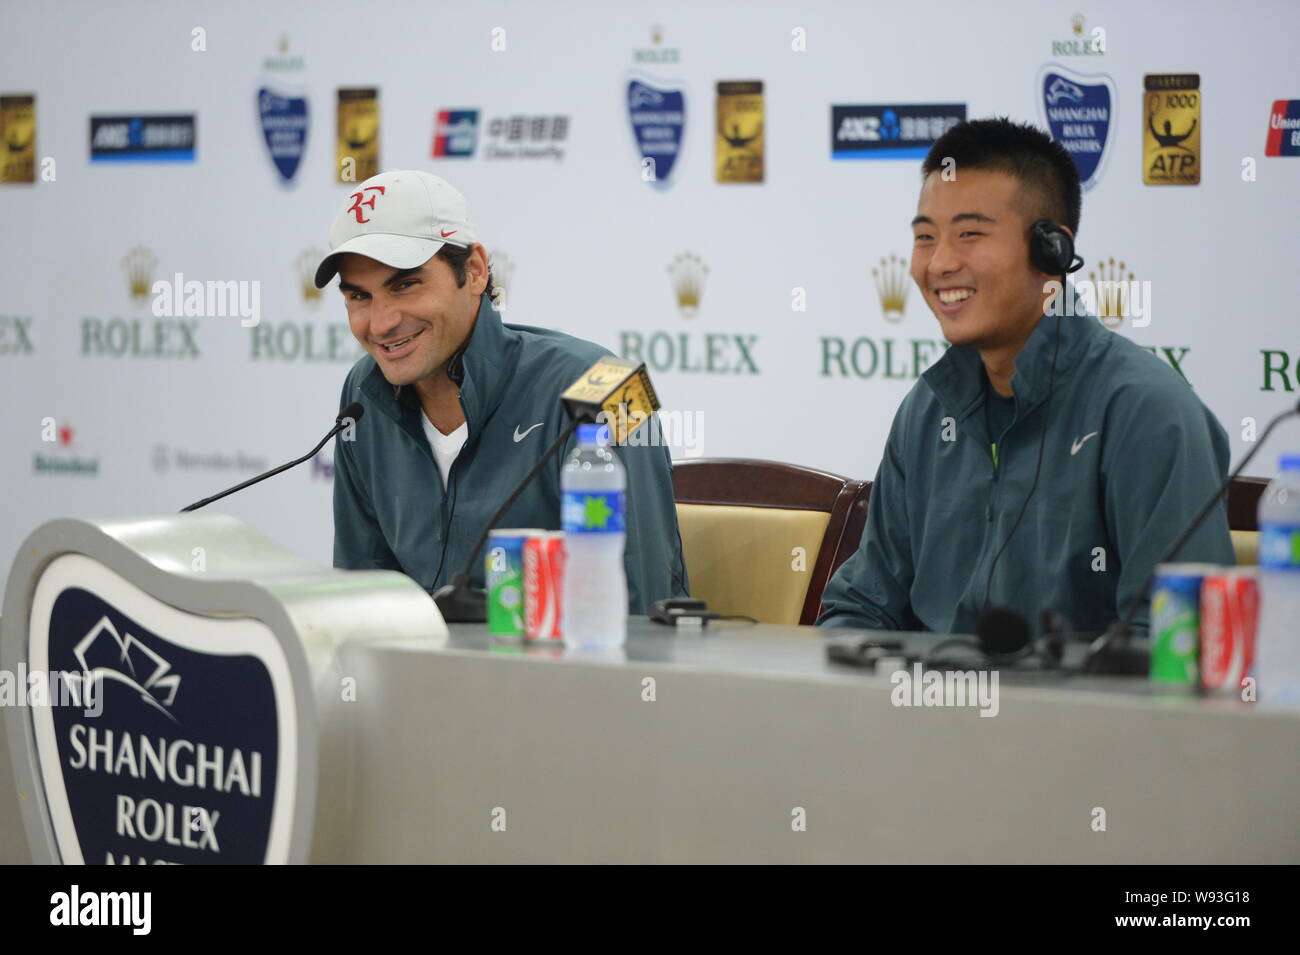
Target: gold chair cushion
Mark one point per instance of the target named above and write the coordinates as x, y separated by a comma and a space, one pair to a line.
1246, 546
755, 561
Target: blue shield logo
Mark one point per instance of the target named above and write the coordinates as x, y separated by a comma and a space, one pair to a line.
658, 121
1079, 111
284, 125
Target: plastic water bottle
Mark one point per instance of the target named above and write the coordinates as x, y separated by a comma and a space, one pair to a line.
1277, 636
592, 487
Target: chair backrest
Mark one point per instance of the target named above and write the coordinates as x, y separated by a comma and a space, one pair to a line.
762, 538
1243, 508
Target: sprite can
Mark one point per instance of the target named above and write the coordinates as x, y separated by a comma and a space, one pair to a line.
504, 576
1176, 622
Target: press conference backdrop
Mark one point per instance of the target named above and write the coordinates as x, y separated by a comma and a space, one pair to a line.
748, 240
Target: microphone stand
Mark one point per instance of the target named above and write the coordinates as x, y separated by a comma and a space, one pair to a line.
340, 423
1114, 651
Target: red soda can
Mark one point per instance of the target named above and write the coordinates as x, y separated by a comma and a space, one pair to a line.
1229, 611
543, 584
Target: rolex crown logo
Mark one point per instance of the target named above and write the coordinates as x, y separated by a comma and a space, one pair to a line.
1111, 282
139, 263
656, 34
891, 284
688, 272
305, 265
1076, 24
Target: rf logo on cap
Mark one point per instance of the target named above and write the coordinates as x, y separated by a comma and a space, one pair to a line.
359, 200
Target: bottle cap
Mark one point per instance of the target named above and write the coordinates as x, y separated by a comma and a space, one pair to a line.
597, 434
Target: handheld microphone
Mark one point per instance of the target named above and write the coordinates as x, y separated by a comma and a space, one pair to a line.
616, 388
348, 417
1114, 651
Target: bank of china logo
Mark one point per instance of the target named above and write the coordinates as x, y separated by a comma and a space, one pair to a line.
106, 653
892, 281
305, 267
1079, 112
688, 273
139, 264
1112, 281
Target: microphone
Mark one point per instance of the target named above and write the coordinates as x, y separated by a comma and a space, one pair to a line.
1114, 651
614, 388
347, 417
1002, 632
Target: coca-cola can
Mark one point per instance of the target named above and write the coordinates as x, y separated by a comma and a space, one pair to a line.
1229, 611
543, 584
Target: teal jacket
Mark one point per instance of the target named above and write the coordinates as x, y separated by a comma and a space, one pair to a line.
390, 508
1131, 454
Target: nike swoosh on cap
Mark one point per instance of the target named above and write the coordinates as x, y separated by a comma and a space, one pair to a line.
519, 437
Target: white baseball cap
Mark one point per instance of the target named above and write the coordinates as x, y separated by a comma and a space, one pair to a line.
400, 219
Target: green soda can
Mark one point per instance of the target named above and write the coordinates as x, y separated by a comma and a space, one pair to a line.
504, 575
1176, 622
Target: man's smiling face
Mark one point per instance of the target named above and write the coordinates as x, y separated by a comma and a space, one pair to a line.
410, 320
970, 258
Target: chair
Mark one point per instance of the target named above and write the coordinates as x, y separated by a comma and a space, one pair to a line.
1243, 507
762, 538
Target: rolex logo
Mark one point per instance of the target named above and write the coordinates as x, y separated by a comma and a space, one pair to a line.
891, 285
139, 264
656, 34
305, 265
1111, 284
1076, 24
688, 274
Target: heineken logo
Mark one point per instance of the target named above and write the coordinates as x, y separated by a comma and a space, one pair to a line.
63, 459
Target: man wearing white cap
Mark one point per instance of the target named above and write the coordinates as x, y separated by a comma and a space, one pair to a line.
459, 405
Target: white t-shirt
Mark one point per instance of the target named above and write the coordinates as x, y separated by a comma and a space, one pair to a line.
445, 446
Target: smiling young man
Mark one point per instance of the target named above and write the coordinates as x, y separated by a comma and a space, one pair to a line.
459, 405
1043, 462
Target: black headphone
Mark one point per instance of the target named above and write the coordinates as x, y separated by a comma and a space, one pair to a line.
1051, 249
